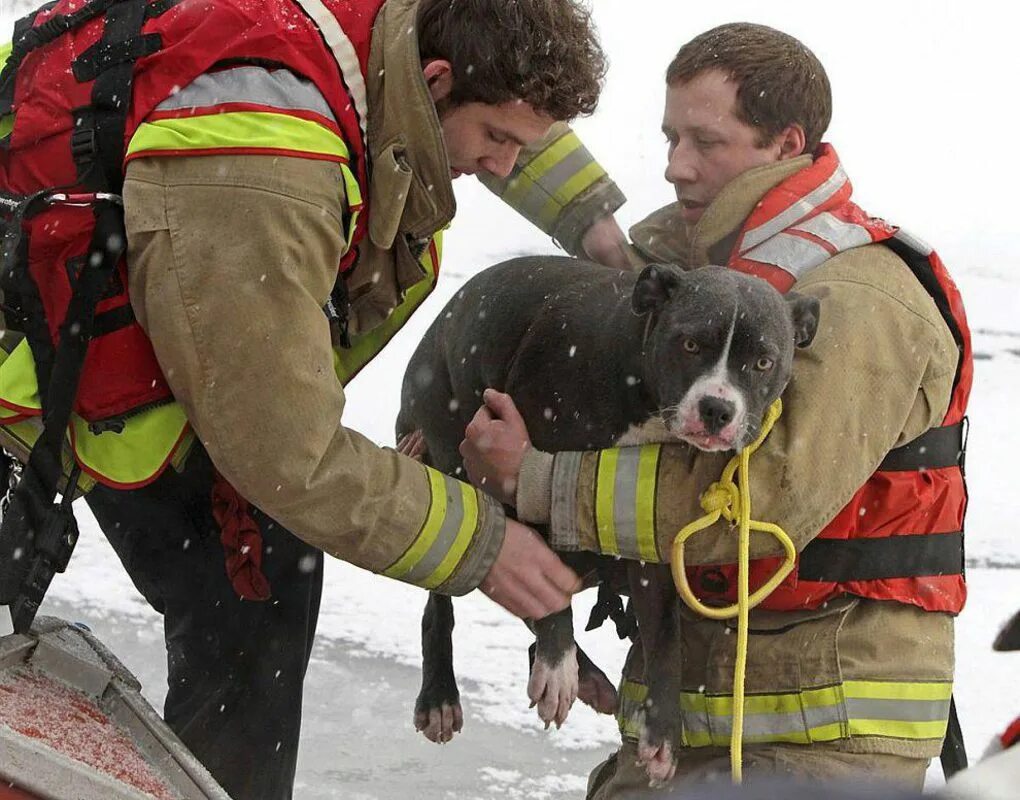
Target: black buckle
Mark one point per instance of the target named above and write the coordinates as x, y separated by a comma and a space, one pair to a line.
83, 146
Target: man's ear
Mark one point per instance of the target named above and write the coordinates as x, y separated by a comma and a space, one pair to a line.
792, 140
655, 285
804, 312
439, 78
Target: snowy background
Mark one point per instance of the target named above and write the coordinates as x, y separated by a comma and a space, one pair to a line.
925, 115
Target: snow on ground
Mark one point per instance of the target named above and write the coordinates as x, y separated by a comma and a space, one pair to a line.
923, 122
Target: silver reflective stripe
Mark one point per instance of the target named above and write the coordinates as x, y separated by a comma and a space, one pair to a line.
563, 533
625, 488
793, 254
913, 242
840, 234
344, 53
904, 710
443, 543
549, 182
764, 725
796, 212
277, 88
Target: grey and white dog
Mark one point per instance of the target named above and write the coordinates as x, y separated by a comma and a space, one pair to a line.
593, 358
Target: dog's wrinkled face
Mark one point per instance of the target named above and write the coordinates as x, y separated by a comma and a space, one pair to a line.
719, 349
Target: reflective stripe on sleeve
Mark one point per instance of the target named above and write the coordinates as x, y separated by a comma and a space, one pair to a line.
444, 537
899, 710
625, 502
563, 171
240, 131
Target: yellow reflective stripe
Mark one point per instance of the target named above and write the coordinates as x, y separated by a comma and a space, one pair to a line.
552, 180
429, 529
625, 502
887, 690
605, 487
648, 467
444, 538
5, 52
348, 361
934, 729
236, 130
18, 383
572, 188
468, 524
539, 165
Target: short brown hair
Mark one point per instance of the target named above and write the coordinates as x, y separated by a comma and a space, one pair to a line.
779, 81
543, 52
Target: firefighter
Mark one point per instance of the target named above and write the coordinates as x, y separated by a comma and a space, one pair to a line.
850, 660
217, 212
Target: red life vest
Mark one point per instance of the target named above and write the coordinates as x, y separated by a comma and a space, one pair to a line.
60, 93
900, 537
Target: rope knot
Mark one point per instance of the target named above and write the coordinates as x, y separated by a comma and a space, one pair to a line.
724, 497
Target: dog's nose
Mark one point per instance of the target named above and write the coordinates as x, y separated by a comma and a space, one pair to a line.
716, 413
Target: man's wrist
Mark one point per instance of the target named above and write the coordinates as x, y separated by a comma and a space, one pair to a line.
534, 487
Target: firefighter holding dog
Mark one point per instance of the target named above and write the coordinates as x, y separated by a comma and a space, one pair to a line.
215, 214
850, 661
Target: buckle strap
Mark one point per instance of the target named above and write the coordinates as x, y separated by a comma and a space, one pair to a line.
933, 449
905, 556
106, 54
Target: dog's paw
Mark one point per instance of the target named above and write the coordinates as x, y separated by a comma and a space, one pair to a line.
657, 759
439, 724
553, 688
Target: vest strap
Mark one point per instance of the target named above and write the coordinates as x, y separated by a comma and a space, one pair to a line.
868, 559
934, 449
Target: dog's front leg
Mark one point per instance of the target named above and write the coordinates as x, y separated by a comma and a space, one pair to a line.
554, 679
655, 602
437, 711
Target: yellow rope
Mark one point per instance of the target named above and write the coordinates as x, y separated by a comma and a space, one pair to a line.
731, 501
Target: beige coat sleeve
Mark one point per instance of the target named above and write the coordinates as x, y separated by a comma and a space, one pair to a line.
878, 374
231, 261
558, 186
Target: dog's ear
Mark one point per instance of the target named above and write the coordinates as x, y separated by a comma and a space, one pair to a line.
804, 311
655, 285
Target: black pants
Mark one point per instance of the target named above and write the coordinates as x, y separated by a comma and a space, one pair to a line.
236, 667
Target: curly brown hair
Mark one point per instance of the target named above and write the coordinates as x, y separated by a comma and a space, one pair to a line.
779, 81
543, 52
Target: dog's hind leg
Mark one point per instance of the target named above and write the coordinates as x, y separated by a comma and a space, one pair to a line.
659, 625
553, 683
437, 711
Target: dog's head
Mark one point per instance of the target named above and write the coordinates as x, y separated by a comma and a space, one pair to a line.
718, 349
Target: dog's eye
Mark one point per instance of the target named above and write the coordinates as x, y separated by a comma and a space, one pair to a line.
763, 364
690, 346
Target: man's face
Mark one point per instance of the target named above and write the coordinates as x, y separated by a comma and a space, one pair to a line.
487, 138
708, 145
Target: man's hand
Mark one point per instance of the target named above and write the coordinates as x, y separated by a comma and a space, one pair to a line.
527, 578
605, 243
494, 445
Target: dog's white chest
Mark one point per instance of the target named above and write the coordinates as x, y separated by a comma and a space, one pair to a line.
651, 430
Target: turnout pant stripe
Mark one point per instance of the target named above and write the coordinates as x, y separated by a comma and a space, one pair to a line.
449, 525
903, 710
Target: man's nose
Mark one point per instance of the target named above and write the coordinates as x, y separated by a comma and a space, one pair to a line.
501, 163
681, 166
